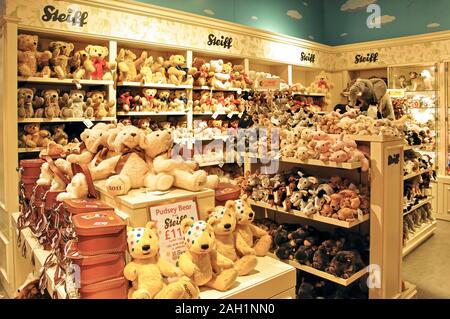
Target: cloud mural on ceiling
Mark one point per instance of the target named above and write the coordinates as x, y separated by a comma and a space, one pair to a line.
343, 34
355, 5
433, 25
384, 19
294, 14
209, 12
254, 18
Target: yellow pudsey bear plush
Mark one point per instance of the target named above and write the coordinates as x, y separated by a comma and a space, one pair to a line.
223, 220
147, 269
246, 231
201, 262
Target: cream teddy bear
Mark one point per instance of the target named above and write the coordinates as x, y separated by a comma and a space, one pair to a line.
147, 269
49, 178
157, 145
223, 219
78, 188
201, 262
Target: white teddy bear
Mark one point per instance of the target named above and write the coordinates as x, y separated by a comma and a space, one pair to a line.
78, 188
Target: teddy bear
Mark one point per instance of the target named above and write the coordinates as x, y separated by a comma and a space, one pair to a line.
79, 107
78, 188
81, 65
34, 136
201, 262
145, 70
237, 77
29, 59
201, 72
156, 146
59, 136
49, 178
158, 69
25, 102
103, 68
163, 100
144, 124
247, 232
177, 72
220, 80
345, 264
135, 171
101, 106
147, 268
223, 220
59, 62
51, 103
128, 64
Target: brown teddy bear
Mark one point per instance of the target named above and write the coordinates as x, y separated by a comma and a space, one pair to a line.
25, 102
59, 136
34, 136
159, 71
163, 100
128, 65
61, 52
51, 104
200, 72
81, 65
101, 107
144, 124
29, 59
178, 72
102, 68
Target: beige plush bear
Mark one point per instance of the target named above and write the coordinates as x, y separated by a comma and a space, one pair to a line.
59, 136
101, 106
29, 59
81, 65
135, 171
78, 188
201, 262
102, 68
246, 232
177, 71
145, 71
147, 269
25, 102
159, 71
51, 103
128, 65
60, 58
35, 137
185, 175
223, 220
48, 178
221, 79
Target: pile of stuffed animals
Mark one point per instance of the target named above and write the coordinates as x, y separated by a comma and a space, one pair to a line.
417, 189
415, 81
219, 102
415, 162
33, 135
153, 100
420, 135
341, 254
415, 219
210, 129
62, 61
52, 103
334, 198
218, 250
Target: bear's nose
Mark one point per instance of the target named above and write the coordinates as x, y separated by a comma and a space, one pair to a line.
251, 214
29, 96
99, 54
34, 43
205, 246
54, 95
146, 247
133, 134
227, 226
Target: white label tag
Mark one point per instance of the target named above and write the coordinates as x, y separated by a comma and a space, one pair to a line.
88, 123
220, 164
215, 115
230, 115
240, 115
239, 91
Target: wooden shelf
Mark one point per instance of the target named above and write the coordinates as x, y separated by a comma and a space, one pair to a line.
309, 94
323, 274
31, 149
220, 138
61, 120
155, 85
372, 138
422, 203
315, 217
422, 234
407, 147
210, 164
231, 114
65, 81
150, 113
414, 174
208, 88
315, 162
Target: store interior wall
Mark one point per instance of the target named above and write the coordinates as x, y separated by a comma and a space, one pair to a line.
332, 22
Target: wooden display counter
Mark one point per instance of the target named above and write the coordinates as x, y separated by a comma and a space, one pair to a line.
134, 206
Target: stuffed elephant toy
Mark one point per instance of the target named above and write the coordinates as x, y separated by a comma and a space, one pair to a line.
372, 92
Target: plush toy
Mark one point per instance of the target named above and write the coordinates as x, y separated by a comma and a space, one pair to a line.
147, 269
61, 52
201, 262
246, 231
101, 106
237, 77
144, 124
145, 70
59, 136
128, 64
51, 104
159, 71
78, 188
177, 71
34, 136
48, 178
135, 171
201, 72
220, 80
81, 65
103, 68
163, 100
79, 107
25, 102
29, 59
223, 221
345, 264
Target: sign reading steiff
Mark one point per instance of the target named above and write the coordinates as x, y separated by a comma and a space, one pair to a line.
168, 221
221, 41
74, 17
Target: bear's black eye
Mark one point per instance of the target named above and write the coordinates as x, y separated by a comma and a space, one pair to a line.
150, 236
210, 235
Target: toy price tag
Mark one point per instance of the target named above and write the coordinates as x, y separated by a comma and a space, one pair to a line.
230, 115
221, 164
88, 123
240, 115
396, 93
215, 115
168, 220
239, 91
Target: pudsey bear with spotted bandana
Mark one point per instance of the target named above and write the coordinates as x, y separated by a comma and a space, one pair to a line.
246, 231
147, 269
224, 220
201, 262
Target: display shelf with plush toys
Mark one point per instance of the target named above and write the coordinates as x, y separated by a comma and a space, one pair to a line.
314, 162
425, 231
30, 149
155, 85
414, 174
421, 203
56, 81
61, 120
151, 113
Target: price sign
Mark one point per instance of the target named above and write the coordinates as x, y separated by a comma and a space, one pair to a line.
168, 221
270, 84
399, 93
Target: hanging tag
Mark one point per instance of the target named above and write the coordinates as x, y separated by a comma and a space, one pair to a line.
215, 115
239, 91
88, 123
360, 215
221, 164
240, 115
230, 115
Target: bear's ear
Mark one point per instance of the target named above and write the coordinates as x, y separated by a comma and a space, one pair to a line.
71, 46
34, 90
151, 225
89, 94
89, 47
230, 204
105, 50
186, 224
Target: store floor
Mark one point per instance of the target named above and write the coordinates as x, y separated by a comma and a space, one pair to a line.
427, 266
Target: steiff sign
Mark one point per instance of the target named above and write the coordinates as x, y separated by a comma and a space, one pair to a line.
308, 57
74, 17
221, 41
368, 58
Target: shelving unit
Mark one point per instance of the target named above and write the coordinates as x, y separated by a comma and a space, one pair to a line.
30, 149
151, 113
419, 237
154, 85
62, 120
422, 203
56, 81
414, 174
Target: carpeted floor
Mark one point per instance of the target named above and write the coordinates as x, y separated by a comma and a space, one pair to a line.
428, 265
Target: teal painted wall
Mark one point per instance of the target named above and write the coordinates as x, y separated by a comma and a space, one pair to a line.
331, 22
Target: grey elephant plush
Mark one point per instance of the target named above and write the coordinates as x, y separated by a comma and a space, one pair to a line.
372, 92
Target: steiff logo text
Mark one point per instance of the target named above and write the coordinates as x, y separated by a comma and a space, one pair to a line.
369, 58
76, 18
222, 41
310, 57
